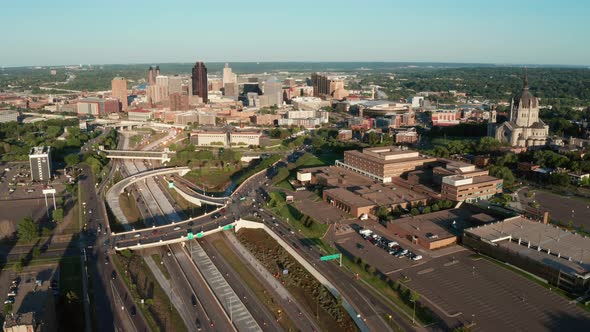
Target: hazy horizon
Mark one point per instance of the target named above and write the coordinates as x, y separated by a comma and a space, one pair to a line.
41, 33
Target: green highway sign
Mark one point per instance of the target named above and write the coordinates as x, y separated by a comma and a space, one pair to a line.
226, 227
190, 235
199, 235
330, 257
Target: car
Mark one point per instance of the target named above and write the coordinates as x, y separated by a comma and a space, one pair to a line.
133, 311
114, 275
154, 232
416, 257
191, 223
194, 300
276, 224
198, 324
106, 260
137, 235
177, 228
54, 283
16, 281
12, 292
9, 300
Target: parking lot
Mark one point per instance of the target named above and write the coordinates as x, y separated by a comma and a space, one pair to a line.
562, 208
471, 289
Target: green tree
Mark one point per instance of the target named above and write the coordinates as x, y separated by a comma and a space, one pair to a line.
435, 207
415, 212
382, 212
504, 173
58, 215
27, 229
559, 179
426, 210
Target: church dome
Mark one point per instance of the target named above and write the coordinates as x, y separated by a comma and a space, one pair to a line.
538, 125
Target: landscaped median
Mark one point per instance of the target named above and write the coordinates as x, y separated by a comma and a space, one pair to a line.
157, 309
306, 289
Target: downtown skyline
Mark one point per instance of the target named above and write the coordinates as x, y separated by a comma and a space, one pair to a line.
378, 31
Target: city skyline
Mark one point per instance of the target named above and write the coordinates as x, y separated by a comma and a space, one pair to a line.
389, 31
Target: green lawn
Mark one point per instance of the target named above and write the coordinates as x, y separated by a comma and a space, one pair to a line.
214, 178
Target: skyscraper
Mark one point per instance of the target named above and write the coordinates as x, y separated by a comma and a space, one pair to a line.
119, 91
199, 80
273, 93
157, 71
228, 75
161, 92
40, 162
174, 84
151, 76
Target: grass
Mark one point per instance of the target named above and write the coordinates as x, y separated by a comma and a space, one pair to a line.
211, 178
70, 271
158, 311
253, 284
188, 208
285, 185
158, 260
296, 218
129, 207
247, 172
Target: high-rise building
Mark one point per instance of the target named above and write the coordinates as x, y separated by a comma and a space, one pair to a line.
174, 84
199, 79
119, 91
273, 93
97, 106
157, 71
161, 91
151, 76
228, 75
321, 85
40, 162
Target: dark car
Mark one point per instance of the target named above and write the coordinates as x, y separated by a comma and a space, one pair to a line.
133, 311
114, 275
194, 300
198, 323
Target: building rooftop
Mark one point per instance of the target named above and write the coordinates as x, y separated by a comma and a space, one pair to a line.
387, 154
349, 198
40, 150
546, 243
387, 195
435, 226
20, 319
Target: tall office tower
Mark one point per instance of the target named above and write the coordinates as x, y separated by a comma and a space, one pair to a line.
273, 92
40, 162
321, 85
119, 91
151, 76
228, 75
174, 84
161, 92
157, 71
199, 79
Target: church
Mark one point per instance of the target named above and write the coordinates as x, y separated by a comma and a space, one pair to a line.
524, 128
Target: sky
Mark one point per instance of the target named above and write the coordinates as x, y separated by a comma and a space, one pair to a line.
61, 32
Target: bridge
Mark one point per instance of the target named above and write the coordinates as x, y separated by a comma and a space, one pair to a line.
112, 195
192, 196
163, 156
132, 124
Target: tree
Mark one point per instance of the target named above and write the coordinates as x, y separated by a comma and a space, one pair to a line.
435, 207
27, 229
426, 210
415, 212
504, 173
382, 212
559, 179
58, 215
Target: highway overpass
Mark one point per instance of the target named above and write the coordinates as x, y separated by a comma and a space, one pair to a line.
112, 195
163, 156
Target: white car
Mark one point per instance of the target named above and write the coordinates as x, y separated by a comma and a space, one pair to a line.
416, 257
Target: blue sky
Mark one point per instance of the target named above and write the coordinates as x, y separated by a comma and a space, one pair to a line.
54, 32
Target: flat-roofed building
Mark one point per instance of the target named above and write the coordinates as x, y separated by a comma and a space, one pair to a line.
209, 138
461, 188
139, 115
97, 106
7, 115
555, 254
207, 118
433, 230
383, 163
245, 138
348, 201
40, 162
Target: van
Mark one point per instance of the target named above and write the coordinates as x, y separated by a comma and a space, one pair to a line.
365, 232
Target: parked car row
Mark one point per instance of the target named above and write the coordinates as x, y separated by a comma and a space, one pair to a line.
392, 247
12, 291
